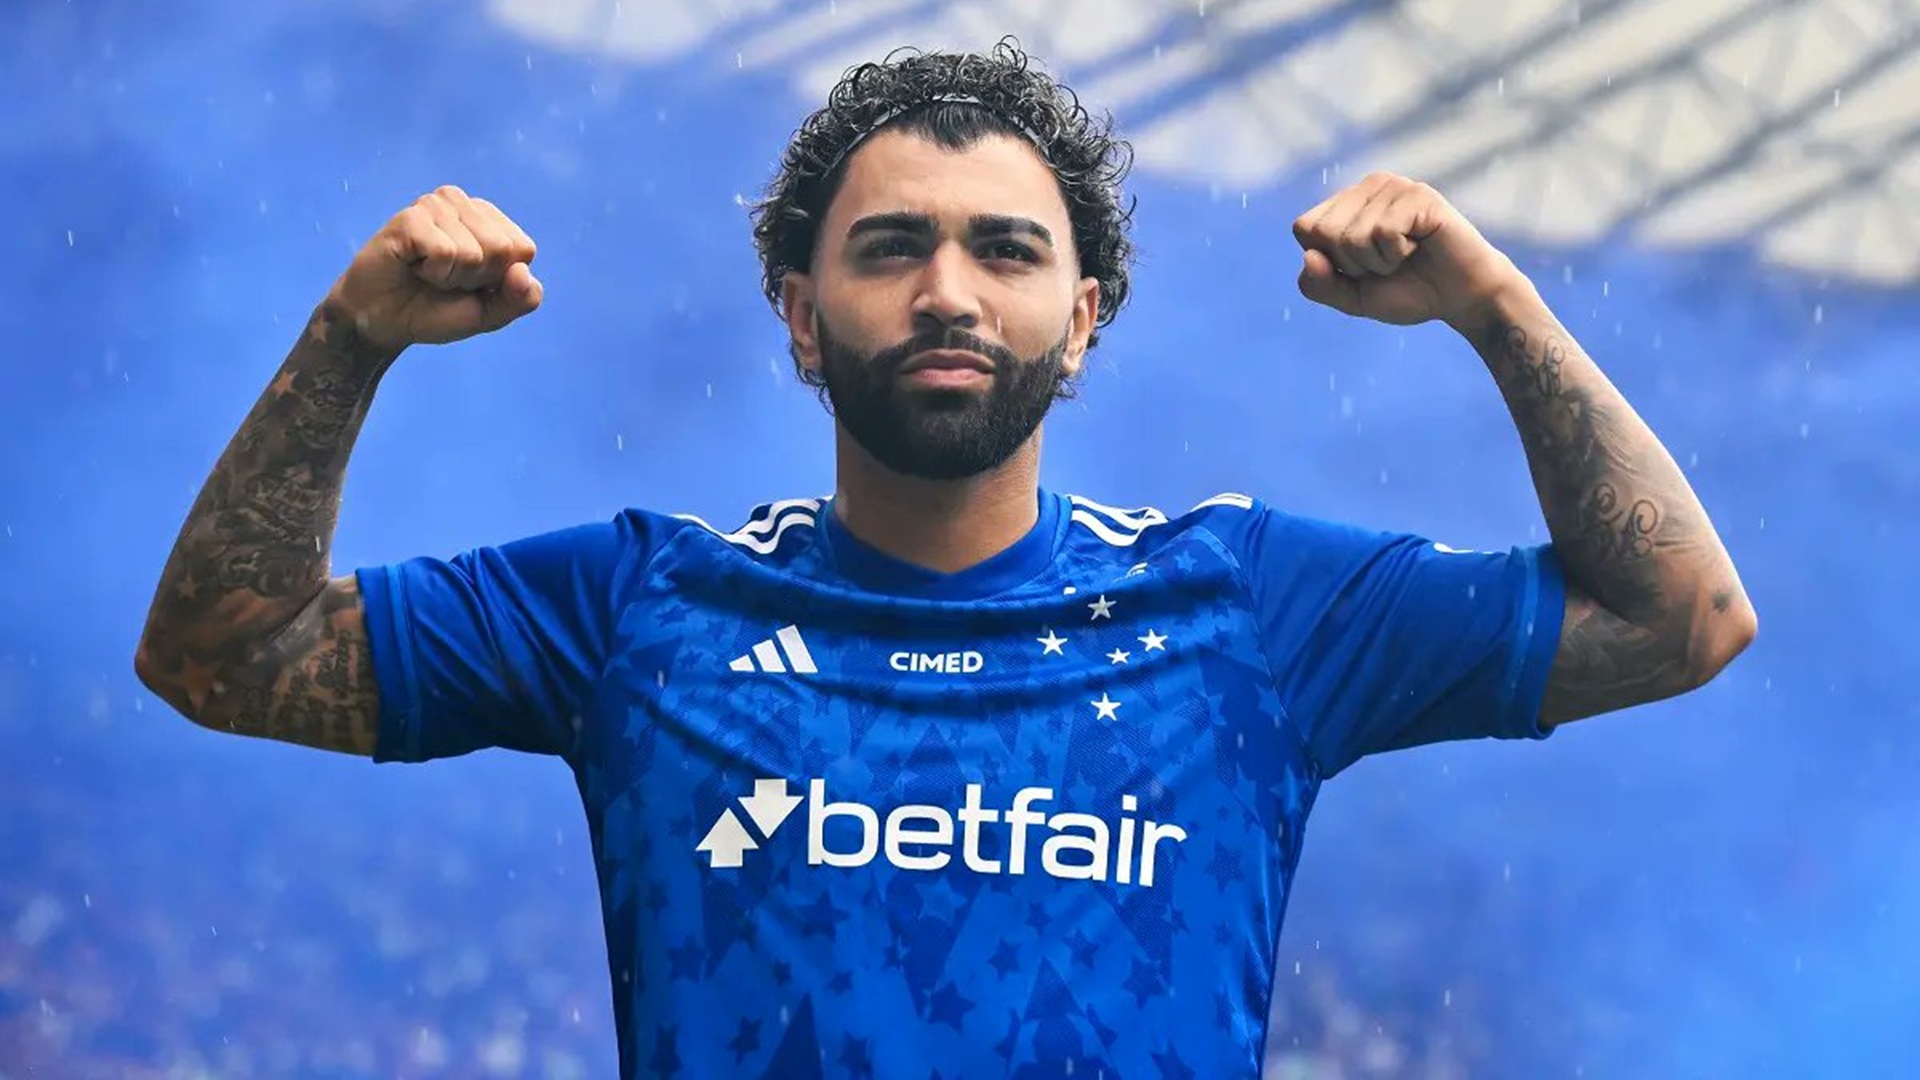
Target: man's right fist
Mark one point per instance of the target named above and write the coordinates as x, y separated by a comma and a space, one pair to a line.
448, 267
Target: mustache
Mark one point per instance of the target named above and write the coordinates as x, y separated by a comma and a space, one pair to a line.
952, 337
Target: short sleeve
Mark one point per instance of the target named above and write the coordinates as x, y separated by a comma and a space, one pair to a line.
1381, 641
497, 646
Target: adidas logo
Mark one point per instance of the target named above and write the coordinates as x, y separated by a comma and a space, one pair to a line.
777, 655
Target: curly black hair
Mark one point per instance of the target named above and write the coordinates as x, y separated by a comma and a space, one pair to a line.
954, 99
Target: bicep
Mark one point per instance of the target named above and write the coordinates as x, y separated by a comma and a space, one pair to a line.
312, 684
1605, 663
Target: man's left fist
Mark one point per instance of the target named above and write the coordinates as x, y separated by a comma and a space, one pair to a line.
1392, 249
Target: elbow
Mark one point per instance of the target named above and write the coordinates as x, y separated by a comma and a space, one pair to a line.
1730, 626
145, 668
152, 667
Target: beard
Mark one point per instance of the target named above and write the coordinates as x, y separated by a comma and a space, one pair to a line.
941, 433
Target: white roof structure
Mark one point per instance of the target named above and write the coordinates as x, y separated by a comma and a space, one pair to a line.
1793, 125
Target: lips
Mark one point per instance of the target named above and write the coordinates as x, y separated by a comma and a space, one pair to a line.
947, 360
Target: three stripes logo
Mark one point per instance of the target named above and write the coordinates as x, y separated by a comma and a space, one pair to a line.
782, 653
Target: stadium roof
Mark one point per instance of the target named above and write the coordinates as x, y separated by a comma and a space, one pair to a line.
1790, 124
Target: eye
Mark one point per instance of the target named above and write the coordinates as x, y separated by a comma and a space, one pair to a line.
1012, 250
891, 247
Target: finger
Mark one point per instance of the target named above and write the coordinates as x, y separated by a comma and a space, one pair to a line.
1326, 227
1376, 238
523, 248
1321, 284
1353, 195
416, 239
1305, 224
467, 271
498, 247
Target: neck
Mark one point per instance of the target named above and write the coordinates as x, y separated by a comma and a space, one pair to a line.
942, 525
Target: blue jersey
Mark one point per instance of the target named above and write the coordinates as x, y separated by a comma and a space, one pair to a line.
1038, 818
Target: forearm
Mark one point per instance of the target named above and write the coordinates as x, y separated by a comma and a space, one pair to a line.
1628, 528
256, 547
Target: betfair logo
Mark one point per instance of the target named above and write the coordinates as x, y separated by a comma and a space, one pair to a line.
1070, 846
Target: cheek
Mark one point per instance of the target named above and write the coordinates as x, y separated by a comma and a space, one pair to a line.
861, 322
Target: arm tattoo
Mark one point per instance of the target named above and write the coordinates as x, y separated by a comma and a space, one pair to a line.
246, 633
1647, 575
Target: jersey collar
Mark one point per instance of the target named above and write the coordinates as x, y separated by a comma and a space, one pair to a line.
877, 571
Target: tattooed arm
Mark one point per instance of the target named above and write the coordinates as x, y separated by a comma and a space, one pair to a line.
247, 632
1654, 606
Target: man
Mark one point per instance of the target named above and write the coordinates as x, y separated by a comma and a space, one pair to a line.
947, 774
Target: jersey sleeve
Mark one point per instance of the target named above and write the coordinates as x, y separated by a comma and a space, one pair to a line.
497, 646
1382, 641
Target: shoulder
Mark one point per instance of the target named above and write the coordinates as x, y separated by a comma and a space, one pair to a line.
1103, 531
768, 529
1244, 528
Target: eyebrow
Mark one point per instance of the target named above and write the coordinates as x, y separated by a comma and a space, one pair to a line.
979, 225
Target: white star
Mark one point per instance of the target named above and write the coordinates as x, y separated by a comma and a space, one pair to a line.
1107, 707
1117, 656
1102, 608
1052, 643
1154, 641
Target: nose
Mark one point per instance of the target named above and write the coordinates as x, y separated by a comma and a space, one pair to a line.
946, 296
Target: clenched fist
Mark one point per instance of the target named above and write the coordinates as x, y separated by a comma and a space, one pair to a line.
1392, 249
448, 267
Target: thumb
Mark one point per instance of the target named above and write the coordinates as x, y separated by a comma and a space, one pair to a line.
519, 294
1322, 284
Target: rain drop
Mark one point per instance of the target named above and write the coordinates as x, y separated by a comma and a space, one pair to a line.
1819, 314
619, 442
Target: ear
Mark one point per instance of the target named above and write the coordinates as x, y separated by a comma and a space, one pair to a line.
1086, 312
797, 304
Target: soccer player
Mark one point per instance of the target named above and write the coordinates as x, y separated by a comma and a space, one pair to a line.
948, 774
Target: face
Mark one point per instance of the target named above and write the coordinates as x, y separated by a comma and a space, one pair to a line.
944, 310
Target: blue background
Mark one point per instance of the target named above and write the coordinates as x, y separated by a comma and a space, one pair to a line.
1726, 884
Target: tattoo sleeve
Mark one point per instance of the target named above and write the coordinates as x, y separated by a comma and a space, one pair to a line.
1654, 605
246, 632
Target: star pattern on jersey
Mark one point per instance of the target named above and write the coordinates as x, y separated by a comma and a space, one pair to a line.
1043, 976
1102, 609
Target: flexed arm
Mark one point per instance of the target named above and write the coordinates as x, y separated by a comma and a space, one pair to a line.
247, 632
1654, 605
